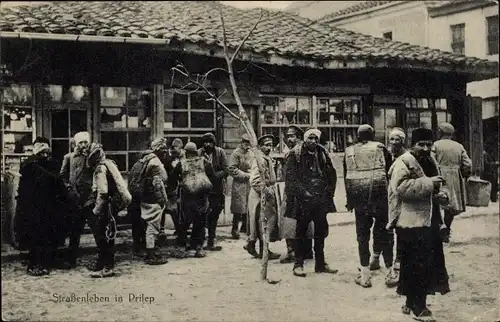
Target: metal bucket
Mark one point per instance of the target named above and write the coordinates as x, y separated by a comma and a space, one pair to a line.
478, 192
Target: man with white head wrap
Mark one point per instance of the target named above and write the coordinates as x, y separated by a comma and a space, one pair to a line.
77, 177
366, 165
456, 167
311, 178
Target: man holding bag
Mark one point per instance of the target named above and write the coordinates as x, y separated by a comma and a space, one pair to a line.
311, 177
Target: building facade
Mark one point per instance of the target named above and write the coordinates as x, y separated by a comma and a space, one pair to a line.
70, 67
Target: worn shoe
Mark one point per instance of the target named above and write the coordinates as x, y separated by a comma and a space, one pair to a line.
299, 271
211, 247
235, 235
250, 248
325, 269
35, 271
270, 256
392, 278
425, 316
155, 259
95, 266
405, 310
105, 272
374, 263
200, 253
364, 278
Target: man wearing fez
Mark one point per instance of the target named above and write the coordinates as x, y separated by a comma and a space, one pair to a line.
239, 168
262, 203
366, 165
416, 193
456, 167
311, 178
217, 157
293, 137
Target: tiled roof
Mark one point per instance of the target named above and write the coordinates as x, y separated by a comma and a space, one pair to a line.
364, 5
360, 6
279, 34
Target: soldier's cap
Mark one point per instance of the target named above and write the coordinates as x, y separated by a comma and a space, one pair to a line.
267, 137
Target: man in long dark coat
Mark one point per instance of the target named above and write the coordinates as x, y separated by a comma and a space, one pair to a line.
42, 202
311, 178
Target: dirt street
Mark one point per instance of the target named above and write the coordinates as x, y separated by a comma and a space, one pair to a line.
225, 286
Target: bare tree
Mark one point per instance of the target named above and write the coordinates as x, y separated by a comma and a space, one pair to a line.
199, 82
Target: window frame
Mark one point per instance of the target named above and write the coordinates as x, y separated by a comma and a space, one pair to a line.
460, 43
492, 38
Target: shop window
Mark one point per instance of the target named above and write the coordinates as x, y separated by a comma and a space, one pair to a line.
492, 37
278, 112
338, 119
69, 109
458, 38
18, 125
388, 112
191, 115
125, 123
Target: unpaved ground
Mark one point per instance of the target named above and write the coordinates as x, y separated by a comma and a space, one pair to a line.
225, 286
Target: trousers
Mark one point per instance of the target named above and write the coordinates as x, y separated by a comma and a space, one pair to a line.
383, 239
105, 247
138, 224
194, 211
216, 202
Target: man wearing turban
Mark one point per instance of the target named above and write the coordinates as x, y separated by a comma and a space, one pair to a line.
77, 177
366, 165
416, 193
455, 167
311, 178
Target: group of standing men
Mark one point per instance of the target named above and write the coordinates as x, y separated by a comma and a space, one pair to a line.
388, 189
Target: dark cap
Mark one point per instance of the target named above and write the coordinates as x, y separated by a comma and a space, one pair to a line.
421, 134
265, 138
293, 129
208, 137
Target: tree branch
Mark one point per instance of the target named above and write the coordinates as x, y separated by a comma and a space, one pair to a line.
250, 32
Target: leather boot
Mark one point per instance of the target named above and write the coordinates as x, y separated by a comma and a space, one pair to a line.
235, 234
250, 248
152, 258
289, 257
374, 262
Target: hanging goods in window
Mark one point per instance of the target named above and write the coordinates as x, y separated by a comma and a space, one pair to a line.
365, 177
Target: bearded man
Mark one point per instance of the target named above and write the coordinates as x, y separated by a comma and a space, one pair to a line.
311, 178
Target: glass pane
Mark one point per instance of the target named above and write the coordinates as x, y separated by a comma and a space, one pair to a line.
114, 141
202, 120
288, 104
176, 120
426, 119
138, 141
120, 159
18, 118
132, 159
134, 95
78, 120
270, 103
18, 142
268, 117
327, 139
53, 94
137, 118
17, 95
113, 96
441, 117
113, 118
77, 94
59, 149
199, 101
60, 125
379, 124
180, 101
